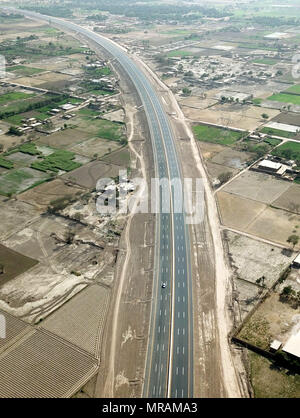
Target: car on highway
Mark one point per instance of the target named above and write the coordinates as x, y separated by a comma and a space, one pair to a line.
164, 285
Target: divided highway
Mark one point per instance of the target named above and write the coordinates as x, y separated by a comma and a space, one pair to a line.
169, 370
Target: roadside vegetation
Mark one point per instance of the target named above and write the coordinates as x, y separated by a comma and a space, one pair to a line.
216, 135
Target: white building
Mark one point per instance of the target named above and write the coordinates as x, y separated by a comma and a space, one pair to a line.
292, 345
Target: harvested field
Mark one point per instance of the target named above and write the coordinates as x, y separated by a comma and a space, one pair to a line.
257, 219
94, 146
88, 175
236, 116
275, 225
231, 205
49, 80
81, 320
41, 366
289, 200
63, 139
14, 329
42, 195
232, 158
209, 150
121, 158
9, 141
14, 215
288, 118
195, 102
14, 264
251, 259
257, 186
215, 170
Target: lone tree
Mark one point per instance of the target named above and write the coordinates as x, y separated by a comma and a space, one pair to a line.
293, 239
265, 116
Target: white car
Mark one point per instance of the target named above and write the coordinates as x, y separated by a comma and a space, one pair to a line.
163, 285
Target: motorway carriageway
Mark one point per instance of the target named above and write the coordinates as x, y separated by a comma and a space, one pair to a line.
169, 369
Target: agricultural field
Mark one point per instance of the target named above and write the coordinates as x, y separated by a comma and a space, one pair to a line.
231, 115
22, 70
16, 181
216, 135
265, 61
286, 98
121, 158
13, 264
65, 138
180, 53
88, 175
278, 132
42, 195
294, 89
81, 320
101, 128
257, 198
290, 150
13, 96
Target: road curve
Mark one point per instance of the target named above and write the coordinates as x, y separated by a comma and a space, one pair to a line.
169, 368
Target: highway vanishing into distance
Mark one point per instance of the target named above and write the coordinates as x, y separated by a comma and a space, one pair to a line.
169, 369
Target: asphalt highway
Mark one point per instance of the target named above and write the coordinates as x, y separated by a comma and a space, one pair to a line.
169, 369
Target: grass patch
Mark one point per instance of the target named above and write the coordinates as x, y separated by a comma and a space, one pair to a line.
180, 53
270, 382
24, 71
257, 101
278, 132
216, 135
10, 97
88, 113
285, 98
289, 150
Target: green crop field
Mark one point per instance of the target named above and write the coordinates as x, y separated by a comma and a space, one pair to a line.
216, 135
5, 163
58, 160
24, 71
278, 132
10, 97
180, 53
16, 181
285, 98
294, 89
289, 150
266, 61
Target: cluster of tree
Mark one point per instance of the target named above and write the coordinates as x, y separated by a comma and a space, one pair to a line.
273, 21
149, 10
52, 10
14, 131
97, 17
290, 295
27, 107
